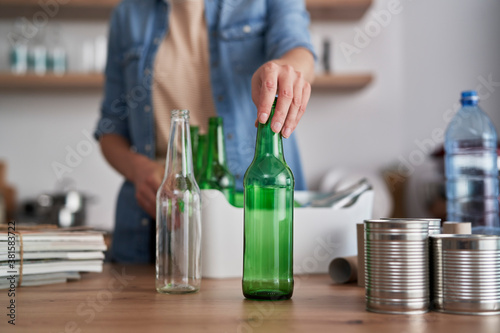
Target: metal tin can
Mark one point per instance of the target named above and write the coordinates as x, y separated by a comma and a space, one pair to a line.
466, 274
397, 266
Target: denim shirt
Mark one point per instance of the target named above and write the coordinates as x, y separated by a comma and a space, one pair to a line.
243, 35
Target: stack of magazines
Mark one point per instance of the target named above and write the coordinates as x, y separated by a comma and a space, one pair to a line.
47, 257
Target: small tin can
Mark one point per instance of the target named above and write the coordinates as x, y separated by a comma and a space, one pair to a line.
466, 274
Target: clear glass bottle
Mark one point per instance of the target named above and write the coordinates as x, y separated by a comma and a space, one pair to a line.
268, 229
178, 215
37, 54
56, 53
216, 174
19, 48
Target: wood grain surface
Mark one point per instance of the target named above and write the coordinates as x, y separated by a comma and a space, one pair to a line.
123, 299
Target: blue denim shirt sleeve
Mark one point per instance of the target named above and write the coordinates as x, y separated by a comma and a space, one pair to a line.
288, 28
114, 114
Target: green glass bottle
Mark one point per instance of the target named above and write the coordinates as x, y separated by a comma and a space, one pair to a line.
201, 155
268, 230
216, 174
195, 131
239, 199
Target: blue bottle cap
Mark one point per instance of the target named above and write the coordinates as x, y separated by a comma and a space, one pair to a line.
469, 97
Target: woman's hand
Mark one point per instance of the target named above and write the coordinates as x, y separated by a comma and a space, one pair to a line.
144, 173
280, 77
147, 178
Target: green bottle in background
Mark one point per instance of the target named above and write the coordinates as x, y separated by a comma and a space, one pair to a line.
216, 174
268, 229
239, 199
195, 131
201, 156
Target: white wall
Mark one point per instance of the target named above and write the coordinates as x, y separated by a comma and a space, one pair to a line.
357, 129
38, 128
421, 60
449, 46
35, 131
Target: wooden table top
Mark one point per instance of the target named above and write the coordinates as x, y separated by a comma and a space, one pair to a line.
123, 299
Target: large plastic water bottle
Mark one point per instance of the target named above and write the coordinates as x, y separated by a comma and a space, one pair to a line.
471, 168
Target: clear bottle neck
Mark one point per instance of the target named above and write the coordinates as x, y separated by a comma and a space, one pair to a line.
469, 98
179, 154
469, 103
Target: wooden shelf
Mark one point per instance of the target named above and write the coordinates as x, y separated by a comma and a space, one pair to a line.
342, 81
73, 9
75, 81
337, 9
70, 3
72, 81
101, 9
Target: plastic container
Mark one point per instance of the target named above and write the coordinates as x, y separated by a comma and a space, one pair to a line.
471, 168
320, 234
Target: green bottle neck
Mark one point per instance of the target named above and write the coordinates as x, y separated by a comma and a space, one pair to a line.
195, 132
201, 154
268, 142
216, 147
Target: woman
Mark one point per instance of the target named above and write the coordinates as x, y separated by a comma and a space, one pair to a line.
214, 57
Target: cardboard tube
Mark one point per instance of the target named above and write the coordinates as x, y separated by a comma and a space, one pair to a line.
343, 270
457, 228
9, 196
360, 231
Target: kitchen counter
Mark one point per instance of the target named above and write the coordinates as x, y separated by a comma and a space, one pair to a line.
123, 299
